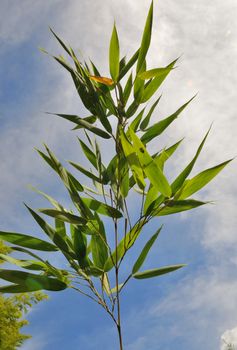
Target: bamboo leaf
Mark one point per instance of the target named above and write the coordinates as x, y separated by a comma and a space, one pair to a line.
30, 281
102, 80
202, 179
146, 120
85, 124
27, 241
125, 244
133, 161
99, 247
142, 257
154, 73
60, 41
177, 206
85, 171
152, 171
26, 264
50, 232
157, 272
80, 245
63, 216
136, 122
146, 39
101, 208
153, 85
88, 153
127, 89
178, 182
161, 158
114, 55
157, 129
129, 65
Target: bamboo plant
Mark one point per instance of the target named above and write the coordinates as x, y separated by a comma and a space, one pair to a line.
118, 114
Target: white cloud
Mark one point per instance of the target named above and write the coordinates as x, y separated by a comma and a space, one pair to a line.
229, 337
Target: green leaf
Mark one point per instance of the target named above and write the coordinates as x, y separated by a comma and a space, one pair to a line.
60, 41
123, 171
114, 55
135, 123
30, 281
99, 248
129, 65
27, 241
50, 232
26, 264
85, 171
154, 73
125, 244
63, 216
161, 158
202, 179
88, 153
80, 245
101, 208
132, 159
55, 203
127, 89
157, 272
146, 120
142, 257
151, 196
178, 182
146, 39
177, 206
157, 129
152, 171
85, 124
153, 85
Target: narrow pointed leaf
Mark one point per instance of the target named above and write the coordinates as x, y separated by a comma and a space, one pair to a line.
31, 281
157, 129
63, 216
145, 251
99, 247
146, 39
161, 158
146, 120
102, 80
129, 65
155, 83
202, 179
125, 244
150, 168
127, 89
60, 42
114, 55
27, 241
157, 272
178, 206
88, 153
133, 161
25, 264
178, 182
85, 171
101, 208
153, 73
136, 122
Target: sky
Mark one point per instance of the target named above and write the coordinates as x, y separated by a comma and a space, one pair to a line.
195, 307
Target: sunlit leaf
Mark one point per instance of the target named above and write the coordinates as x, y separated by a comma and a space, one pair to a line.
174, 207
157, 272
146, 120
153, 73
30, 281
114, 55
142, 257
63, 216
157, 129
150, 168
202, 179
146, 39
27, 241
133, 161
101, 207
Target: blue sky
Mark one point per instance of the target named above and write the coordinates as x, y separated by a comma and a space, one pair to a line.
191, 308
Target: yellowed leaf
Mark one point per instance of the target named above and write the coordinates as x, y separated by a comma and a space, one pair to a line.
102, 80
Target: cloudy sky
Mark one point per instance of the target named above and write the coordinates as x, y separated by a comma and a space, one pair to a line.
195, 307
